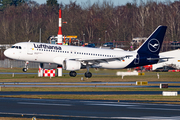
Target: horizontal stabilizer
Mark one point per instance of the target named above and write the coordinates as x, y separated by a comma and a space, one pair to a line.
165, 58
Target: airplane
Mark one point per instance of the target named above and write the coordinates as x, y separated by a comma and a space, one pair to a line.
175, 59
73, 58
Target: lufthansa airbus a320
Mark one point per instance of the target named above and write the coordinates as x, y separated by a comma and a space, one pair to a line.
74, 58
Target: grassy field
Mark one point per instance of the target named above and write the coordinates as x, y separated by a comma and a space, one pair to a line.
110, 77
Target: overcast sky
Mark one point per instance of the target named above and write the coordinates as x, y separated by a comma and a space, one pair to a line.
116, 2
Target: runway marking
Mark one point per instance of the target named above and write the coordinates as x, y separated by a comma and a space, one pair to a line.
44, 104
155, 108
112, 105
149, 118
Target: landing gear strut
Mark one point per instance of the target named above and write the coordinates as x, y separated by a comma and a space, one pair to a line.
72, 74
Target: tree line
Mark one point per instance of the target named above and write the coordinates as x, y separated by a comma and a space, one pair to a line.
96, 23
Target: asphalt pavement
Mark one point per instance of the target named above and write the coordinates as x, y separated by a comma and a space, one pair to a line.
87, 109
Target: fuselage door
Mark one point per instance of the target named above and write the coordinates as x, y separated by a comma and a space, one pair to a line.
30, 49
136, 60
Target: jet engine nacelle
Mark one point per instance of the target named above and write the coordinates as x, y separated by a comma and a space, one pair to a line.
71, 65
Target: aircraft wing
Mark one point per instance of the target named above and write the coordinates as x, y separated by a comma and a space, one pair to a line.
101, 60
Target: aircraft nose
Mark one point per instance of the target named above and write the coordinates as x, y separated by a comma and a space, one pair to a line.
7, 53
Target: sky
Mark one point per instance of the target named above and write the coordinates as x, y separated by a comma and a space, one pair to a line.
115, 2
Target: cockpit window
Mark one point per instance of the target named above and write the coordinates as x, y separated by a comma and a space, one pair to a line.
17, 47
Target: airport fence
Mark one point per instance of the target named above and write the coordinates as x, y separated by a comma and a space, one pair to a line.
8, 63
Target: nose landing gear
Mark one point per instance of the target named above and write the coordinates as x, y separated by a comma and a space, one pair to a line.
24, 69
26, 66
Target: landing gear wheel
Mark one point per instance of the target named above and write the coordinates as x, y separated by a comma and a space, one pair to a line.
88, 74
72, 74
24, 69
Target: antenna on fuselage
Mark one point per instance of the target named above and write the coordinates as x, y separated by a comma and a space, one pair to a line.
29, 41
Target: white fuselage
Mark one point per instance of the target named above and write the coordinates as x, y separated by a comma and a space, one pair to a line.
51, 53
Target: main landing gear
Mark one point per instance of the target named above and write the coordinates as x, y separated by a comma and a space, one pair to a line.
72, 74
86, 74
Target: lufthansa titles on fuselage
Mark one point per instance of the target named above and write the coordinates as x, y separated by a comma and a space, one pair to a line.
47, 46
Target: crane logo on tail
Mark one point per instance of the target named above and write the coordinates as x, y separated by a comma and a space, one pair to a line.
153, 45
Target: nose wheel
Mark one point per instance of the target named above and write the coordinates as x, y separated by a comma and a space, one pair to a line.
24, 69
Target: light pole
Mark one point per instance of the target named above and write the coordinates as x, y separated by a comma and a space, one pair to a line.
84, 37
105, 35
99, 42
